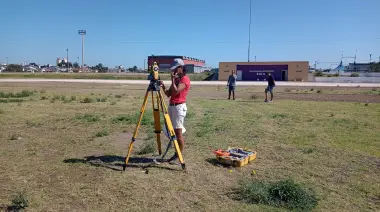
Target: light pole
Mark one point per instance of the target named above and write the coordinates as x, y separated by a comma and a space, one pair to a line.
370, 57
249, 38
82, 33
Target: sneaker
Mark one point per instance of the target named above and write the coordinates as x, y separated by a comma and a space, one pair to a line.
265, 100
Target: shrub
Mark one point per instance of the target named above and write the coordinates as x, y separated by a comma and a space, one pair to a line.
284, 193
318, 74
355, 74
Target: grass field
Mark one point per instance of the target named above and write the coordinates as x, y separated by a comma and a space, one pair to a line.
110, 76
63, 145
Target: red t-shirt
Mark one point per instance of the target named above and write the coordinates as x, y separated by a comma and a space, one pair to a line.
181, 97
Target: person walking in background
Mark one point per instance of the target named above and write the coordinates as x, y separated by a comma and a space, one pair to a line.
271, 85
231, 84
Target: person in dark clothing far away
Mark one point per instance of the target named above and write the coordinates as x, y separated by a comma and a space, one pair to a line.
231, 84
271, 85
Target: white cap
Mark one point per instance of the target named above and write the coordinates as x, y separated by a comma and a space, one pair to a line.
177, 62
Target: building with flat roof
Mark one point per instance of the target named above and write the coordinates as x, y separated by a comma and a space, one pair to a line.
255, 71
359, 67
193, 65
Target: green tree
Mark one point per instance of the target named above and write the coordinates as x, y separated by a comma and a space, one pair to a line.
13, 68
375, 67
75, 65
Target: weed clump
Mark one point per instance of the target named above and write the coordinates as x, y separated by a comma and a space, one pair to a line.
101, 99
147, 118
102, 133
23, 93
284, 193
254, 96
87, 100
20, 200
148, 148
88, 117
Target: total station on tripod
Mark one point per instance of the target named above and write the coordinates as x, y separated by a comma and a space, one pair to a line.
155, 81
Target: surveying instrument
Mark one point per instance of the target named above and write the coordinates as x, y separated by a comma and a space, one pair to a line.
157, 104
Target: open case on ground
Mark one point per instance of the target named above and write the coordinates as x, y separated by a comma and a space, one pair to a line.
235, 156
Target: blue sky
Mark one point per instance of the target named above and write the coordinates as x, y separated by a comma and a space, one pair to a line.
121, 32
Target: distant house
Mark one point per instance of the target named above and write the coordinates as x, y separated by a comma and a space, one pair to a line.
29, 68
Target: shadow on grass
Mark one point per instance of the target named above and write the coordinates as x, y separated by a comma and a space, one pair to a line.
11, 208
214, 162
116, 163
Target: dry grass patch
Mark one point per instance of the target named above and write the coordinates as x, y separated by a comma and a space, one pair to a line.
69, 156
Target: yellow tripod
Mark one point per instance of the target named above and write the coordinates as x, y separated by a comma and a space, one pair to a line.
154, 90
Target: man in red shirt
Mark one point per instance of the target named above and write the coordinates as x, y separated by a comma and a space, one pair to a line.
177, 105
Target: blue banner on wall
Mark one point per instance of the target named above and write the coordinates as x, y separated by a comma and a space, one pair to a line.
258, 72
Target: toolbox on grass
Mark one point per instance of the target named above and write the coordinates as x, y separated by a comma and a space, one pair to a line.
234, 156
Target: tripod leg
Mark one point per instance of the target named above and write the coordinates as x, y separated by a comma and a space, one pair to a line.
136, 130
171, 132
157, 124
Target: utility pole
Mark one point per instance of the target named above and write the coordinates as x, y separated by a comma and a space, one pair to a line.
82, 33
249, 39
315, 65
67, 58
370, 58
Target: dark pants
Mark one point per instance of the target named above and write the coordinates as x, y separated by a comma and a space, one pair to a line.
231, 89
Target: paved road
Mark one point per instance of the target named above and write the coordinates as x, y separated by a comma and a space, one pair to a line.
222, 83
